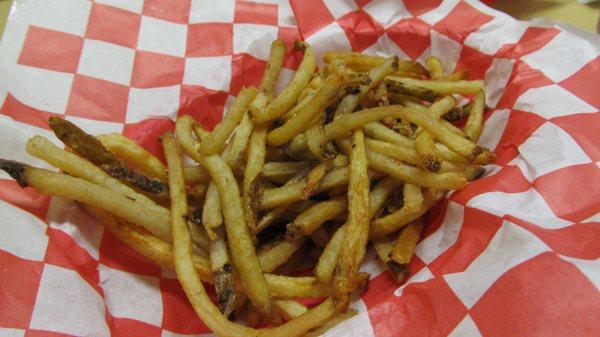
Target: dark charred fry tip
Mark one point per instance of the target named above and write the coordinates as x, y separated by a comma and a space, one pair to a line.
293, 232
122, 172
227, 267
255, 194
196, 217
398, 270
15, 169
432, 163
474, 172
300, 45
396, 63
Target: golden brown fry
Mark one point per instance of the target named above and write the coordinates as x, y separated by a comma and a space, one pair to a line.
235, 150
473, 172
329, 257
274, 64
222, 274
254, 166
308, 221
341, 126
485, 158
289, 193
357, 225
379, 194
475, 121
133, 154
400, 218
314, 177
398, 152
214, 142
430, 90
317, 142
434, 66
303, 118
362, 62
195, 174
284, 101
404, 247
278, 253
383, 247
283, 170
430, 157
404, 172
211, 211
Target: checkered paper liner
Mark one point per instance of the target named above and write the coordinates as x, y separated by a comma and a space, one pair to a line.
515, 253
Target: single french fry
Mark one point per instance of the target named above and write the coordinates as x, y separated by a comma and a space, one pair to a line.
235, 150
211, 211
430, 157
308, 221
383, 247
404, 247
255, 162
278, 253
380, 192
357, 225
274, 64
475, 121
286, 99
430, 90
301, 120
404, 172
215, 141
283, 171
341, 126
314, 177
400, 218
363, 62
290, 309
133, 154
329, 257
434, 66
398, 152
223, 274
317, 142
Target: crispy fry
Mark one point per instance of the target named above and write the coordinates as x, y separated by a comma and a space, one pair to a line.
93, 150
234, 152
317, 142
274, 64
283, 170
430, 90
383, 247
329, 257
278, 253
214, 142
357, 225
341, 126
284, 101
211, 211
314, 177
404, 247
394, 221
133, 154
475, 121
308, 221
430, 157
379, 194
254, 166
447, 180
362, 62
222, 274
398, 152
302, 119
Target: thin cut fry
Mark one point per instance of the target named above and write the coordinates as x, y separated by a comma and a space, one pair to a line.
222, 274
314, 177
475, 121
211, 211
404, 247
430, 157
284, 101
235, 150
301, 121
457, 76
214, 142
133, 154
278, 253
383, 247
308, 221
341, 126
254, 166
362, 62
429, 90
317, 142
434, 66
329, 257
290, 309
274, 64
379, 194
357, 225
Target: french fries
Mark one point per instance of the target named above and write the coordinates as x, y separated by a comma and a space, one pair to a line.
354, 152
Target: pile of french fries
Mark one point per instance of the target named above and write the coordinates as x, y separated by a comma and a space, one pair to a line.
352, 153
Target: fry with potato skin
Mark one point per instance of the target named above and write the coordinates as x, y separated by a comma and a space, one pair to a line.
357, 224
132, 153
222, 274
362, 62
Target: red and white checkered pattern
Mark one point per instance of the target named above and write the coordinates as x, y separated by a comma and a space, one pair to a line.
515, 253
